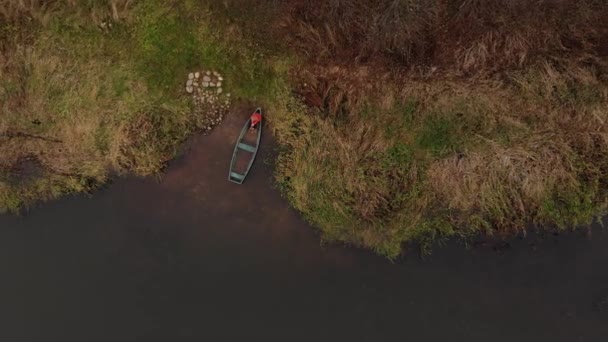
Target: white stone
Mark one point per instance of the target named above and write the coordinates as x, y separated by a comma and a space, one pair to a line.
215, 73
212, 84
205, 84
228, 94
195, 84
206, 79
189, 89
220, 78
197, 74
190, 76
189, 83
219, 84
219, 90
208, 73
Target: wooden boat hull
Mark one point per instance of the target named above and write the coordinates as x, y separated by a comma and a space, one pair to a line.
245, 151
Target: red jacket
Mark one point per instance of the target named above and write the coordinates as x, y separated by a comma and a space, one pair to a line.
255, 119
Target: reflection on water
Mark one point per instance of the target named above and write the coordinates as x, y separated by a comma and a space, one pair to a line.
194, 257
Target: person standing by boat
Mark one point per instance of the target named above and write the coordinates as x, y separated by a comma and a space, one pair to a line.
255, 118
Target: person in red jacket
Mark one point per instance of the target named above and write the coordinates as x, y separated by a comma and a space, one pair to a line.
256, 118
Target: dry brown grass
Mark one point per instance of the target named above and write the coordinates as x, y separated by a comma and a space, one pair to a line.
94, 88
78, 95
55, 106
464, 36
520, 139
469, 158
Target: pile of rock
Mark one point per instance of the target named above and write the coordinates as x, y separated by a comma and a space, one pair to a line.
211, 104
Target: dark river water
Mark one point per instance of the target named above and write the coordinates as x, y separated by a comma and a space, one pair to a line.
192, 257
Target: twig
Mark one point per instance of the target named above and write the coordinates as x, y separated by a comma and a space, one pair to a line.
11, 135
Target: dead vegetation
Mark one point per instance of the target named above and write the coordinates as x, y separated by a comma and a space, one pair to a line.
56, 110
93, 88
464, 36
443, 118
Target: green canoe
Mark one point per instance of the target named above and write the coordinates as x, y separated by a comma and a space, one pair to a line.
245, 151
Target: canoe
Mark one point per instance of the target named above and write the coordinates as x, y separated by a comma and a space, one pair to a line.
245, 150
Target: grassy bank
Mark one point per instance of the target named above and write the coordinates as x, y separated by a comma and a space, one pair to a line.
93, 88
399, 121
440, 119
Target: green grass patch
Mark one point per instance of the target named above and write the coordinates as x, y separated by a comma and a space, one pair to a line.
569, 208
167, 47
440, 135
